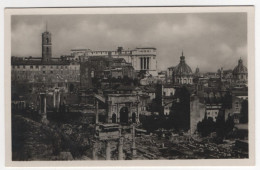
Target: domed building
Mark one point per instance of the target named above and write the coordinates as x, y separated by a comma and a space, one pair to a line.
240, 72
182, 73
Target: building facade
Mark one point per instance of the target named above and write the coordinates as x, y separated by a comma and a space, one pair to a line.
142, 59
45, 72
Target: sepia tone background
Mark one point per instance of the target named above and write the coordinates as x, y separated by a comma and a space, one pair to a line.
184, 162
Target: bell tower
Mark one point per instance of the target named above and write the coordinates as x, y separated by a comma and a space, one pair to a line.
46, 45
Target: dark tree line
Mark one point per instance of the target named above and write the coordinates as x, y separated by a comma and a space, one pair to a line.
244, 112
179, 117
180, 110
220, 126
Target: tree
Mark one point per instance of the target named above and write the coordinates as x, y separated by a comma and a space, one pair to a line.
244, 111
206, 126
229, 124
221, 127
150, 123
180, 110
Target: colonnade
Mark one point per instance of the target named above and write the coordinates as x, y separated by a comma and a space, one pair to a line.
120, 140
145, 63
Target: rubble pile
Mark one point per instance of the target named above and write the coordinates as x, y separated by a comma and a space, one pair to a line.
155, 147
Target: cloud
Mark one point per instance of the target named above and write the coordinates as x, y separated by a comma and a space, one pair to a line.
209, 41
24, 38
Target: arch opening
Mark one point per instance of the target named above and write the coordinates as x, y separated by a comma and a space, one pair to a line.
124, 115
133, 117
114, 118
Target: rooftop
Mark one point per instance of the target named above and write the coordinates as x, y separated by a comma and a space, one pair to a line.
38, 62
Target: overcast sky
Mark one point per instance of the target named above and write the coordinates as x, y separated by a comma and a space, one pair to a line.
209, 41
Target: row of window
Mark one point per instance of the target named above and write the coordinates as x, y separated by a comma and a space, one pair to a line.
51, 72
47, 71
51, 67
44, 72
184, 80
215, 113
146, 51
164, 93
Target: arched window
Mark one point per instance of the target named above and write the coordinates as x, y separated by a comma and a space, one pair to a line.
47, 40
47, 49
114, 118
133, 117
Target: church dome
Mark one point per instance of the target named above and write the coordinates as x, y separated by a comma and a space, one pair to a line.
240, 68
182, 68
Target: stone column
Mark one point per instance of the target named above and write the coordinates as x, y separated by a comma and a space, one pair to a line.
137, 110
144, 63
54, 99
96, 112
108, 151
58, 103
148, 63
120, 148
133, 142
44, 113
109, 112
118, 113
141, 63
130, 114
40, 104
45, 110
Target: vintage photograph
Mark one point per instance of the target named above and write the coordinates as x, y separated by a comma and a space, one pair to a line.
130, 86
